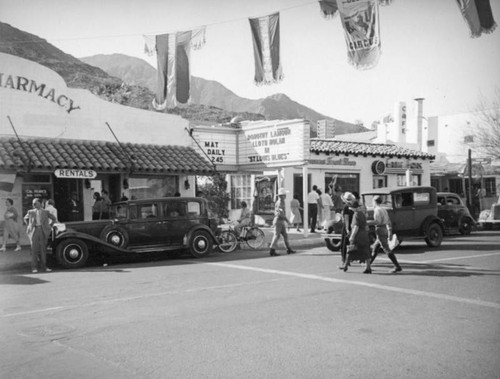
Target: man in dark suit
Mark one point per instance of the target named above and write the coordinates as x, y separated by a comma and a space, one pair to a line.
38, 232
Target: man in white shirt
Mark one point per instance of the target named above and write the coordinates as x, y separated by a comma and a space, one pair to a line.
312, 204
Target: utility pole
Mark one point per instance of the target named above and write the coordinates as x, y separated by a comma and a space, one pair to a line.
469, 173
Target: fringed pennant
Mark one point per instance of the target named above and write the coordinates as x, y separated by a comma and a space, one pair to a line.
360, 20
478, 16
173, 57
266, 47
328, 8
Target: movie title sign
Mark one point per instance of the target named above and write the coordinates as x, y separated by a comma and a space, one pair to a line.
20, 83
333, 161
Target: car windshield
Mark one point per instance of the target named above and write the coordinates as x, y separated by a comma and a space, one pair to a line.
386, 200
118, 211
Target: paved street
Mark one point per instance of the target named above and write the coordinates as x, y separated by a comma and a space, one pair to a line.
247, 315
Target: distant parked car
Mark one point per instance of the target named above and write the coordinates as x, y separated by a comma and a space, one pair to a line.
138, 226
455, 215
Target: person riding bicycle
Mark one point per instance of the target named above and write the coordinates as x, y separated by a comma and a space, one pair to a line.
244, 219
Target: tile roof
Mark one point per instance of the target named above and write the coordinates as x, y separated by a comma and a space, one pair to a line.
332, 146
103, 157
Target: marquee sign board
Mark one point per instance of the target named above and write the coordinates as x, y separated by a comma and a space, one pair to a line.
68, 173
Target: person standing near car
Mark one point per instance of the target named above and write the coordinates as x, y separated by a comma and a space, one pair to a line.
312, 204
105, 204
383, 230
97, 207
280, 224
38, 232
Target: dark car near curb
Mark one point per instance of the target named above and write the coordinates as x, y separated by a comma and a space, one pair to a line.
455, 215
172, 224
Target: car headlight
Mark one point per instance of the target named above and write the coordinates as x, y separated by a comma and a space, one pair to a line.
59, 227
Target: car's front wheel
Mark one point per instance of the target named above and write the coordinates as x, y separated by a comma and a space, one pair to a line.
200, 244
434, 235
72, 253
465, 226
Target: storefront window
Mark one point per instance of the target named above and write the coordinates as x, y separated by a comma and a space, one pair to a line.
347, 182
379, 181
414, 180
146, 188
490, 186
266, 188
241, 190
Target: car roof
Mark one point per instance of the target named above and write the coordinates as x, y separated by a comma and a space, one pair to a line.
389, 190
447, 194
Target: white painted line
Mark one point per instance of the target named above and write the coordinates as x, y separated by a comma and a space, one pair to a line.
457, 258
365, 284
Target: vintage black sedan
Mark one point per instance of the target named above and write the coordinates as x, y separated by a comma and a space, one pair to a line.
455, 215
138, 226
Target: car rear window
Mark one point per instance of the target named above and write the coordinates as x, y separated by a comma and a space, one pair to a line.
422, 198
194, 209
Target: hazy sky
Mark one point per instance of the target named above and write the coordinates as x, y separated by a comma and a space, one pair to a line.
426, 49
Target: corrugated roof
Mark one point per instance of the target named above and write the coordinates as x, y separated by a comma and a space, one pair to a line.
332, 146
51, 154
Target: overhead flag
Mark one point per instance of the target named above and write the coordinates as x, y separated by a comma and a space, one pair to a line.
478, 15
173, 65
329, 8
266, 47
360, 21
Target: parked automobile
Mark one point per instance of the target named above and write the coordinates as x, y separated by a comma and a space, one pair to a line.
138, 226
455, 215
412, 210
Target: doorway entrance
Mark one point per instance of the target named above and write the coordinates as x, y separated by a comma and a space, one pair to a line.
68, 196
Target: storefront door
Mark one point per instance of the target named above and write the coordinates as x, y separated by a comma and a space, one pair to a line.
68, 196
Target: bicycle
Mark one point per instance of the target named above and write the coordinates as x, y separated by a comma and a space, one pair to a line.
253, 236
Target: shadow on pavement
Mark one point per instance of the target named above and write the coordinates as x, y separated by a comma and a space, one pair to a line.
436, 270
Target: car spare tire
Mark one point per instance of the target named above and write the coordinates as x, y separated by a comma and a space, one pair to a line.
115, 235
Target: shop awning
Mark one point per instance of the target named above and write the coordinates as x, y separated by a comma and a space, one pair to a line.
103, 157
365, 149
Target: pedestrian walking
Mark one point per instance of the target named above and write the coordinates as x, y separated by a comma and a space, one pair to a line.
280, 224
347, 213
359, 243
383, 230
11, 227
327, 204
312, 204
38, 232
295, 208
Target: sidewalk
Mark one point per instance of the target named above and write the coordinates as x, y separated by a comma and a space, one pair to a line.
21, 260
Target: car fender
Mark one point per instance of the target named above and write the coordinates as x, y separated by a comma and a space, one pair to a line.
87, 238
429, 220
195, 228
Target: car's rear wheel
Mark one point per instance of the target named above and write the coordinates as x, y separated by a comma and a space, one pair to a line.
115, 235
434, 235
72, 253
200, 244
333, 245
465, 227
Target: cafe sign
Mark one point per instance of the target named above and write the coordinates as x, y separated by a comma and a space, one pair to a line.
67, 173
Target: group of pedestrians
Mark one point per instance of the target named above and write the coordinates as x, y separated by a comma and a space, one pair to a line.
355, 243
320, 206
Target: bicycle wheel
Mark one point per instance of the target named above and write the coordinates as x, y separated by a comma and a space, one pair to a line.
255, 238
227, 241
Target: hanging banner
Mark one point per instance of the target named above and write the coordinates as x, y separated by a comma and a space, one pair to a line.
266, 47
360, 20
478, 16
328, 8
173, 57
